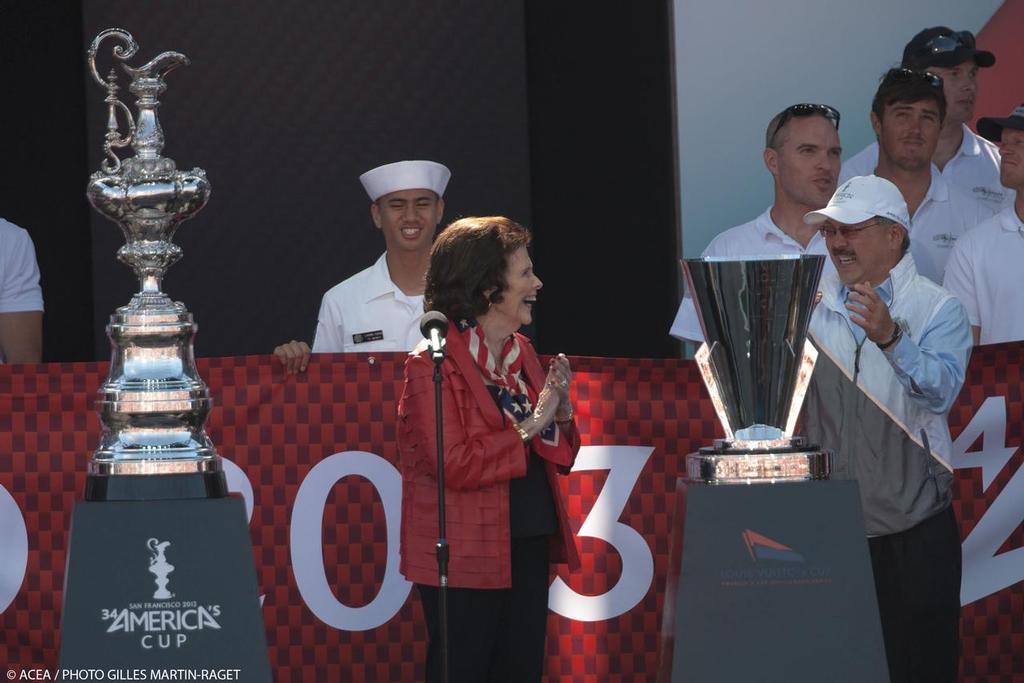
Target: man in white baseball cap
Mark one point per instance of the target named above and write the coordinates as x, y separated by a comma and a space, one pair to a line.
378, 309
984, 270
895, 347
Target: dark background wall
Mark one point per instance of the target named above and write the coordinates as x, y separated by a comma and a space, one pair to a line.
603, 169
556, 117
44, 164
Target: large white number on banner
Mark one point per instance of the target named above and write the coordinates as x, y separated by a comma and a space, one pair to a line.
14, 541
984, 572
238, 482
624, 464
307, 541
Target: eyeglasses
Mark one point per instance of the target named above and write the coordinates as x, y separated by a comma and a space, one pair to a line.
829, 231
907, 75
801, 110
948, 43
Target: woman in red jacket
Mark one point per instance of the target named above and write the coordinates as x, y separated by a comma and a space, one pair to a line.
508, 431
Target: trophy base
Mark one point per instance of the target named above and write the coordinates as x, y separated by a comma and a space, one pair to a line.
127, 487
738, 463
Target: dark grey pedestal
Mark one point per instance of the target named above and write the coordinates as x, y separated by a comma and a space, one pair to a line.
774, 585
163, 584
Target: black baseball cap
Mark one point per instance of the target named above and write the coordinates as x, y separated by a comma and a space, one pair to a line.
991, 128
942, 46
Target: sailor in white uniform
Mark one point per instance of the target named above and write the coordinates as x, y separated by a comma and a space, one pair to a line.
378, 309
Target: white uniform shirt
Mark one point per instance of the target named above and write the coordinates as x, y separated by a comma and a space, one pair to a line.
19, 273
945, 214
974, 169
760, 238
986, 272
368, 312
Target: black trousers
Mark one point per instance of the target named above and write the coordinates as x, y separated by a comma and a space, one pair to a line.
917, 580
494, 635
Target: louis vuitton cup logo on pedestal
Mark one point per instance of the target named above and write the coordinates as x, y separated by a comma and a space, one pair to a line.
756, 363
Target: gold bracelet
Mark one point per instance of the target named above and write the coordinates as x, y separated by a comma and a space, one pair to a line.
564, 420
522, 432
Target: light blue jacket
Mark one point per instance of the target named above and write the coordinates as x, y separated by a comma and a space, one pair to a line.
884, 414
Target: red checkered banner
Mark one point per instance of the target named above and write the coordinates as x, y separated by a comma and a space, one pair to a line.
315, 458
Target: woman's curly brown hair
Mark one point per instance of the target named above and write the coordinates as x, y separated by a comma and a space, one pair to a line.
468, 258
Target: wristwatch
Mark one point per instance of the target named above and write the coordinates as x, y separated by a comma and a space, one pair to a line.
896, 335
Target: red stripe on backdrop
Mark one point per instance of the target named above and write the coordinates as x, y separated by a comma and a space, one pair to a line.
1001, 88
639, 418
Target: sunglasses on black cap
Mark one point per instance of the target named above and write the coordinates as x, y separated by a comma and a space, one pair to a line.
948, 43
907, 75
805, 109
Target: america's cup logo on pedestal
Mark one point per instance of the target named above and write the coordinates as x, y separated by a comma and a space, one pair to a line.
160, 567
756, 363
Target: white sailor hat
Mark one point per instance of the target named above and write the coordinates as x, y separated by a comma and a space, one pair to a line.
405, 175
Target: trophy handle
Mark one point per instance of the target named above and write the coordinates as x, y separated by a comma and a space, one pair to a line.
803, 379
704, 363
113, 138
122, 52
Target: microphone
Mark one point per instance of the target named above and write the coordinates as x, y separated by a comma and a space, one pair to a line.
434, 327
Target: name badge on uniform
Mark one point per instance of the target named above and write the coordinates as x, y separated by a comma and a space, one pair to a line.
363, 337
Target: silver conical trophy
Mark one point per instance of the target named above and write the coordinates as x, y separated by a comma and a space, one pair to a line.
756, 363
153, 405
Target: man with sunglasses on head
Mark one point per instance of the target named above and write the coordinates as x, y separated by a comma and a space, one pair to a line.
802, 153
984, 270
894, 350
907, 113
964, 159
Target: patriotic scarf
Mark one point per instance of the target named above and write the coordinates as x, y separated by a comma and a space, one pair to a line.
516, 398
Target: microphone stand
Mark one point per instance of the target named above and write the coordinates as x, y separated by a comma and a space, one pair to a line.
442, 540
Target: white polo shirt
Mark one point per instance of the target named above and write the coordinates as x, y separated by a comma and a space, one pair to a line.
368, 312
974, 169
760, 238
945, 214
986, 272
19, 272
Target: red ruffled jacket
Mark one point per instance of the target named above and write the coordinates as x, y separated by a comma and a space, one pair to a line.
482, 453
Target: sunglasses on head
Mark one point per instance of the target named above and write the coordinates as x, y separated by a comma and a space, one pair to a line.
948, 43
805, 109
906, 75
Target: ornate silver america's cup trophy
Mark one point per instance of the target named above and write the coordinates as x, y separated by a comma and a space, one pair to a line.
154, 457
153, 405
756, 363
